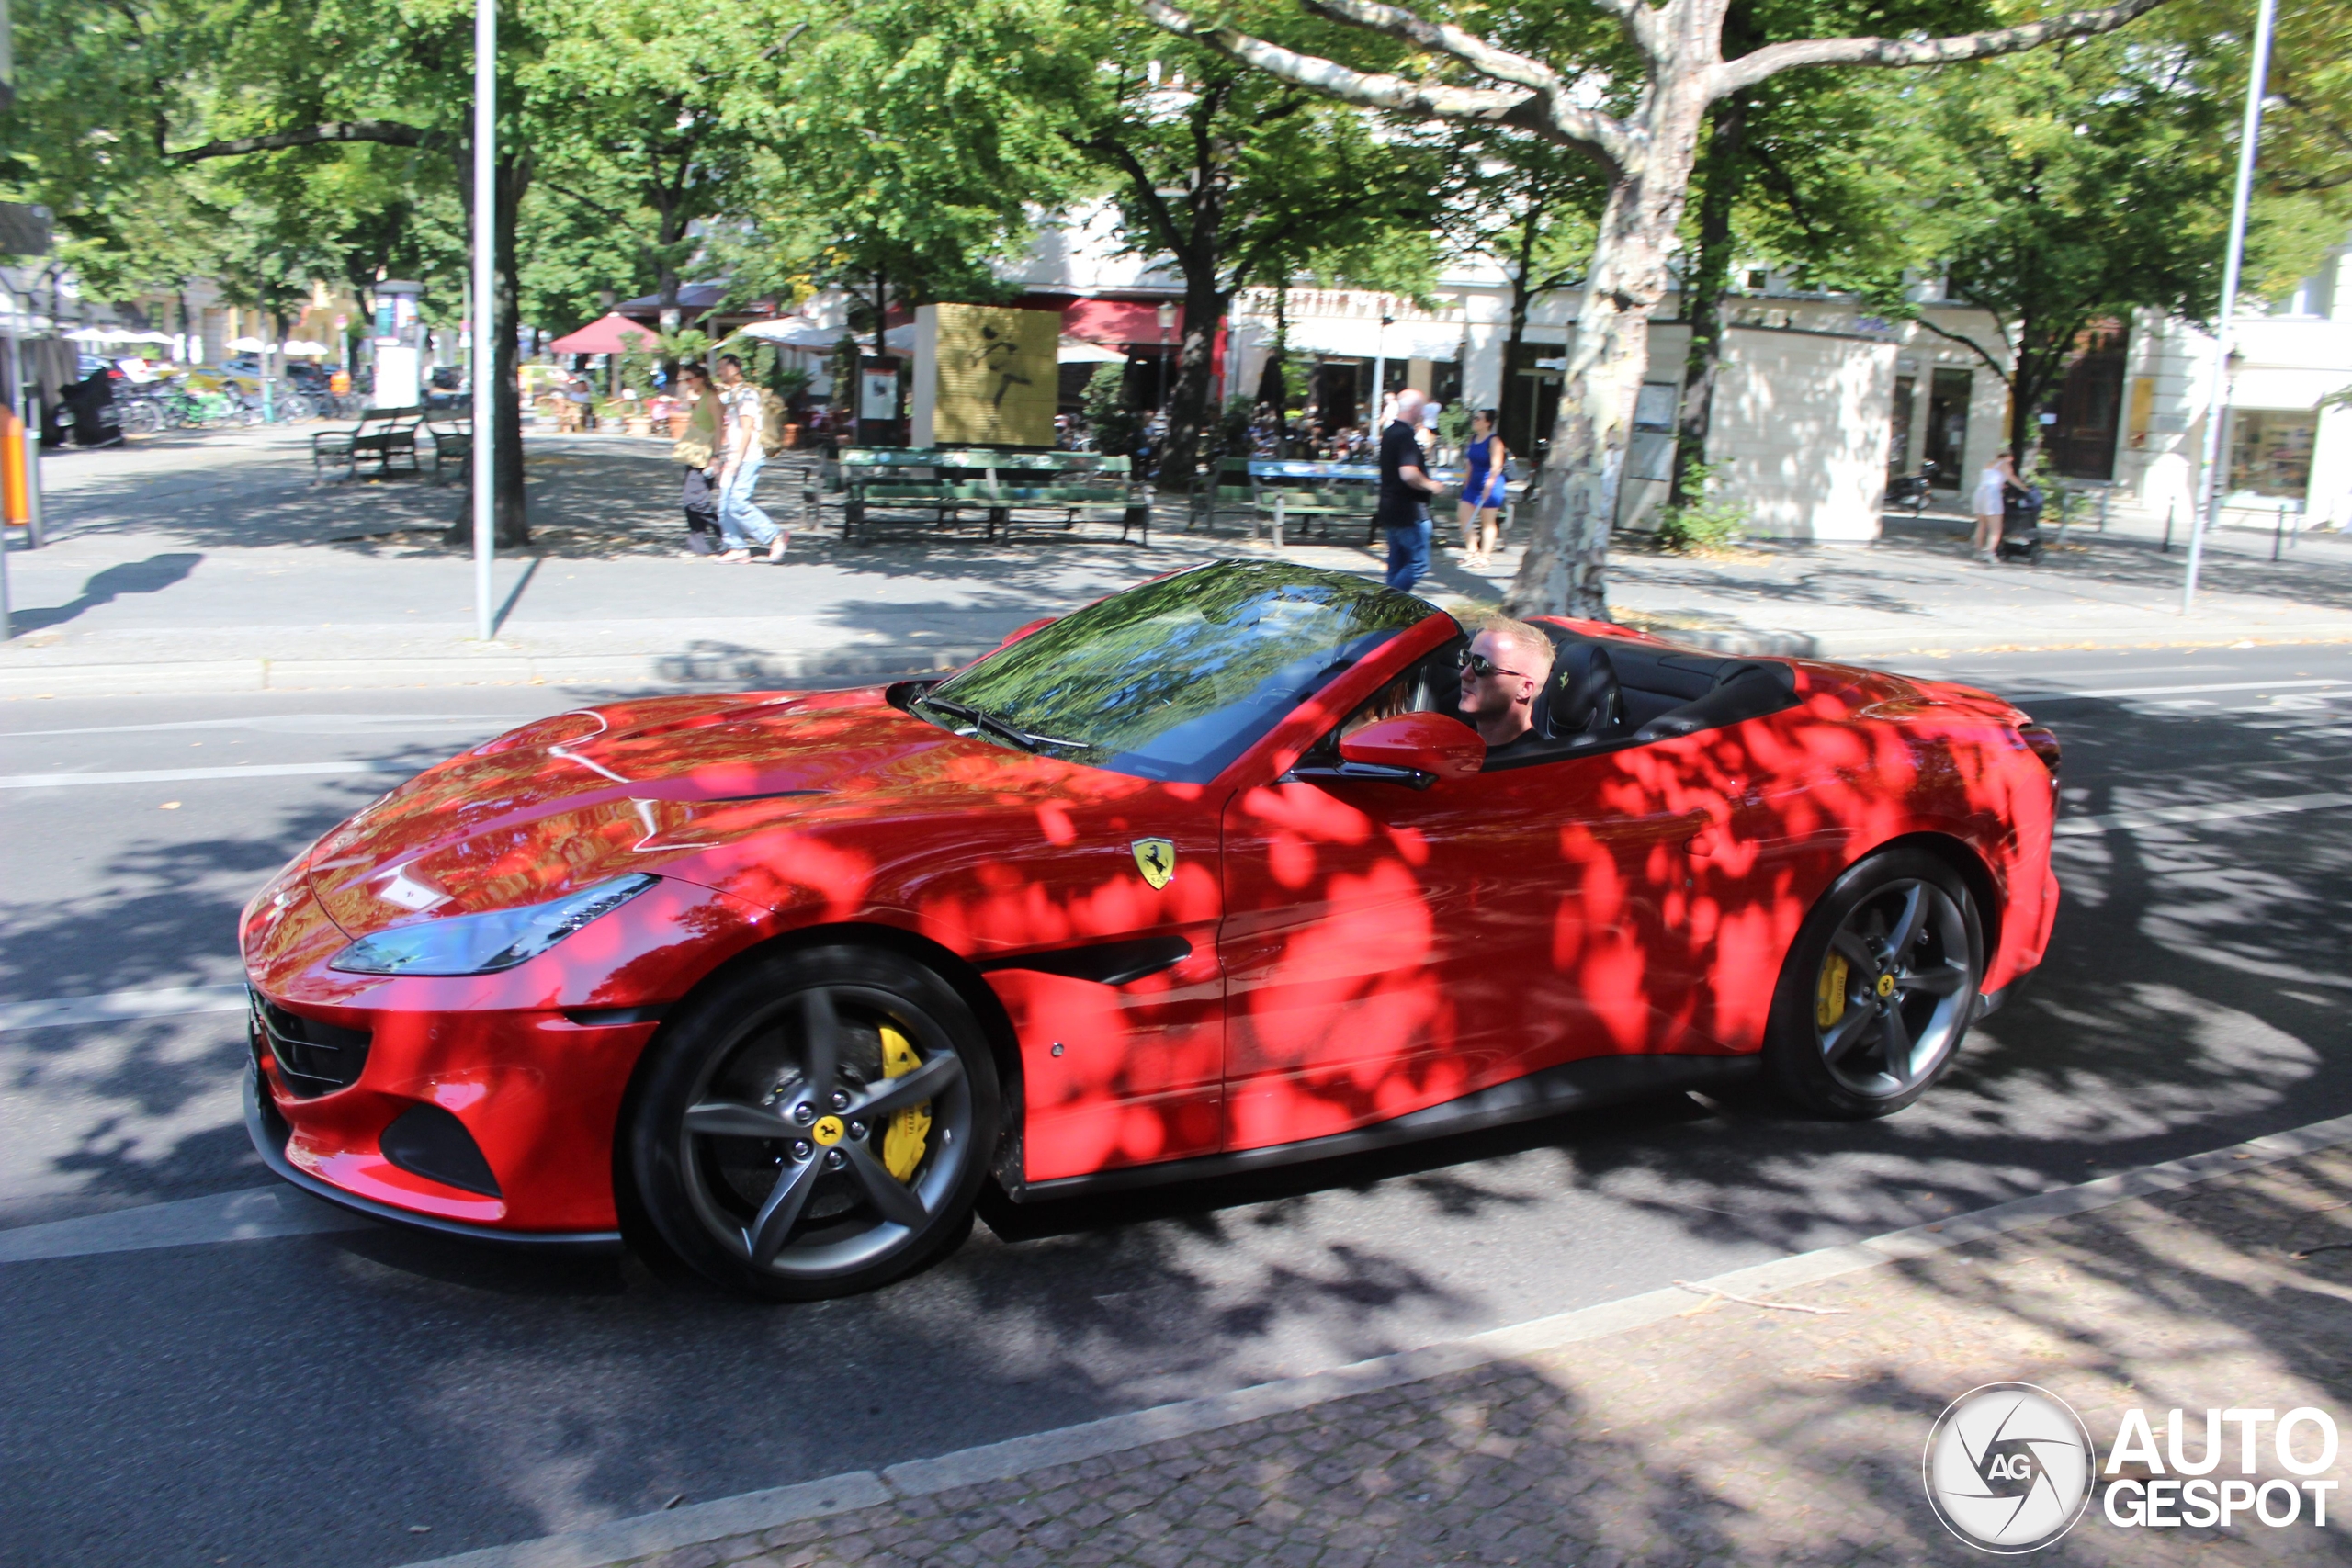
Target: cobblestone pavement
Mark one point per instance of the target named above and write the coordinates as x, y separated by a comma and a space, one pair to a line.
1731, 1433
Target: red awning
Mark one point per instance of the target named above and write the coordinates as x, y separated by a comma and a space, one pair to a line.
604, 337
1120, 322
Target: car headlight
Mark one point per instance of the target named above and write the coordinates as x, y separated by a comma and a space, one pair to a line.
484, 943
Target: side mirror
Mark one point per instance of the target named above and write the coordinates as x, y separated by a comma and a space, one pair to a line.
1414, 748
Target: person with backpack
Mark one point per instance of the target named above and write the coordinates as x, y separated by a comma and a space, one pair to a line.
743, 406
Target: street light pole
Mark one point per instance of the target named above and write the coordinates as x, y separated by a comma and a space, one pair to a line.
483, 451
2217, 405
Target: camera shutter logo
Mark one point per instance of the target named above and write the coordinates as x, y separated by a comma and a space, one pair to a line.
2008, 1468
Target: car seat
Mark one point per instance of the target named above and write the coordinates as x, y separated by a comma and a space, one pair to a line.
1581, 700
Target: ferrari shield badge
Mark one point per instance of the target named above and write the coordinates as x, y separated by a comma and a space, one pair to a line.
1155, 858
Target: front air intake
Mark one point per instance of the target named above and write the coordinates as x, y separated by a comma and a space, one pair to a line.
313, 1057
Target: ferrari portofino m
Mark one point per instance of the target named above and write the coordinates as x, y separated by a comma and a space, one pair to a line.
1208, 875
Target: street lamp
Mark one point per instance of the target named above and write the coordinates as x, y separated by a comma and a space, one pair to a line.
482, 453
2218, 388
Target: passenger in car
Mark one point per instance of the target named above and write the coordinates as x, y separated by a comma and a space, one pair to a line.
1503, 670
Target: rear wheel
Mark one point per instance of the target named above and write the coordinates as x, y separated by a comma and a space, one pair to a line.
818, 1123
1879, 987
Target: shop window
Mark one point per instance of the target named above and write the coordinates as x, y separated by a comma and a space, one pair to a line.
2271, 451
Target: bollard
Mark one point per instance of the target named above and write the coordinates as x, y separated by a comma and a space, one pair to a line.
2170, 507
36, 533
2278, 532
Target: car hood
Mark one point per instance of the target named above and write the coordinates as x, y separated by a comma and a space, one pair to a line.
670, 785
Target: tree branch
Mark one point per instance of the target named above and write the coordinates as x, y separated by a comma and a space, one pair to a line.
1540, 113
1970, 343
389, 132
1440, 37
1750, 69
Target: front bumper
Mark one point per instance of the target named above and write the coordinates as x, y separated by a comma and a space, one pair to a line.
270, 1134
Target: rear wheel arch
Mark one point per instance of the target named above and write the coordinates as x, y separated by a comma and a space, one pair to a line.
1973, 874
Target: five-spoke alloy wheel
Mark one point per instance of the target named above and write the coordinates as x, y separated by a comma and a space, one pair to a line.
1879, 986
817, 1123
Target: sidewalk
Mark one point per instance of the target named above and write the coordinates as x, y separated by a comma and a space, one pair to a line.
1722, 1432
211, 562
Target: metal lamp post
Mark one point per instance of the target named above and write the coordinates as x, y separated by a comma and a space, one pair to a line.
2217, 407
484, 451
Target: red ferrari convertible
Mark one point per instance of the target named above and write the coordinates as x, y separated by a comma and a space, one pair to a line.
1207, 876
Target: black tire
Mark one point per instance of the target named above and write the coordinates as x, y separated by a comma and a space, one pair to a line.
765, 1182
1860, 1030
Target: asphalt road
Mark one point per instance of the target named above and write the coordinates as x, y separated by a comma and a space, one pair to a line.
314, 1399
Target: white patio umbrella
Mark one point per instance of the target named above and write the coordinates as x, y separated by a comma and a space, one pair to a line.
301, 345
91, 335
794, 332
1078, 351
247, 346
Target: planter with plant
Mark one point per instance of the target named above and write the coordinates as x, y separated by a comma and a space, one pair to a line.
1708, 525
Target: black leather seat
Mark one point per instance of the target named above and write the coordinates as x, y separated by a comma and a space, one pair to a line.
1581, 700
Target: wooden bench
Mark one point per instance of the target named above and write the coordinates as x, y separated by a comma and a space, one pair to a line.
947, 481
381, 436
1230, 493
453, 442
1284, 489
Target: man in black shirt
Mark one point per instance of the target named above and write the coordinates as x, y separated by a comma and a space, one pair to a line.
1405, 489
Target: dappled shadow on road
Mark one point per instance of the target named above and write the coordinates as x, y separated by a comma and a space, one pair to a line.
2192, 996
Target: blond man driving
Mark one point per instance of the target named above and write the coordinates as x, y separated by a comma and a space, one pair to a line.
1503, 670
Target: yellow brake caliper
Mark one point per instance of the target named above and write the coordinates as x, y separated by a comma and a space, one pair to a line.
1829, 994
902, 1143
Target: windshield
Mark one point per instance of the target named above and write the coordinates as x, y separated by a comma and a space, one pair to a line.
1174, 679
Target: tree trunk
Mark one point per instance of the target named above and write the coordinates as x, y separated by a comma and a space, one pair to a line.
1191, 401
1564, 570
504, 448
1703, 289
1522, 299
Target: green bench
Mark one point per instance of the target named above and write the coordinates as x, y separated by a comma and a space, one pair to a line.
381, 436
948, 481
1283, 490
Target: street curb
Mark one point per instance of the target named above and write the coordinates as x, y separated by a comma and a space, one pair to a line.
750, 670
625, 1540
736, 670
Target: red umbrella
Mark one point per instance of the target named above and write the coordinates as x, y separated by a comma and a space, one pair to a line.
605, 336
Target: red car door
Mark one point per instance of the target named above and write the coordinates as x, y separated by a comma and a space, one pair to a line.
1387, 949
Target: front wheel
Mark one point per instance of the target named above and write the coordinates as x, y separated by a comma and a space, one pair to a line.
817, 1123
1878, 988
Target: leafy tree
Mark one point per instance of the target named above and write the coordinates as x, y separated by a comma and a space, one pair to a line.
2065, 187
1638, 110
1235, 178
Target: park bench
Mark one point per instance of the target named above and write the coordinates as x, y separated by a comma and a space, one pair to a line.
1282, 489
381, 436
453, 442
947, 481
1228, 492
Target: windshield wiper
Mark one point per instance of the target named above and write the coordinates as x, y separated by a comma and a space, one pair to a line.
1027, 740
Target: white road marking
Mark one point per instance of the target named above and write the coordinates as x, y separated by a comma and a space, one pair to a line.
297, 723
170, 1002
255, 1213
2217, 811
2171, 691
190, 775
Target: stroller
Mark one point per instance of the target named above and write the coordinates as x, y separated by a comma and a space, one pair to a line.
2021, 527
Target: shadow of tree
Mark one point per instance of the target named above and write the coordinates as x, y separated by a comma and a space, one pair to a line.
153, 575
523, 1394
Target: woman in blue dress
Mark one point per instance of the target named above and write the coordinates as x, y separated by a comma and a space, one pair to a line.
1482, 490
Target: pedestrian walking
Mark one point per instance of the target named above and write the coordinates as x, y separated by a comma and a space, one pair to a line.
1405, 490
1482, 489
697, 452
742, 525
1992, 501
